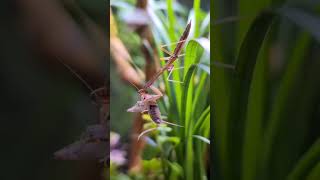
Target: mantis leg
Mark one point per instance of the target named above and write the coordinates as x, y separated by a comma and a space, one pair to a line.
168, 78
145, 132
168, 52
222, 65
144, 112
167, 58
97, 90
166, 45
156, 91
226, 20
152, 98
166, 122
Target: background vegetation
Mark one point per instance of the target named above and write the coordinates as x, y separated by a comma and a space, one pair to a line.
266, 109
171, 152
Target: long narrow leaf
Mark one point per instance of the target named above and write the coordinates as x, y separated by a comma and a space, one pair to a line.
306, 163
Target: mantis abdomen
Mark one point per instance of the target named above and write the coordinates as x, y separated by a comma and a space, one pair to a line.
154, 113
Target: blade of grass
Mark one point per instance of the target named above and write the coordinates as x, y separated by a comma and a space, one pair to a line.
171, 20
251, 45
252, 8
201, 120
255, 116
205, 126
306, 163
203, 139
193, 51
201, 172
307, 107
311, 25
205, 25
186, 110
222, 48
177, 7
290, 88
189, 166
199, 101
186, 99
303, 104
315, 173
157, 24
246, 63
202, 91
196, 9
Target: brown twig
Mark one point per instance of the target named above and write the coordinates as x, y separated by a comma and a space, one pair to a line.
121, 57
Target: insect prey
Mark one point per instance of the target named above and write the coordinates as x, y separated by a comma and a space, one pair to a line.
148, 103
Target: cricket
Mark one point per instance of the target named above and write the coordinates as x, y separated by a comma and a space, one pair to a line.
148, 102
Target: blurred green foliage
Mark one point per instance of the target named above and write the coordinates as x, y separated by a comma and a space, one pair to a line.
266, 108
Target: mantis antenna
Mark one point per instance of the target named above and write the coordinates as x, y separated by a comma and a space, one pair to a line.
133, 85
78, 76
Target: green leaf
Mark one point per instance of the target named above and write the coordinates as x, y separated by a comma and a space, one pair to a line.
193, 51
172, 21
176, 170
249, 9
310, 159
284, 105
201, 120
230, 101
186, 110
157, 26
255, 117
205, 25
186, 99
201, 94
206, 140
197, 17
251, 45
315, 173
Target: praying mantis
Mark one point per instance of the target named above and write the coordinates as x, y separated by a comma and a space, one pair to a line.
148, 102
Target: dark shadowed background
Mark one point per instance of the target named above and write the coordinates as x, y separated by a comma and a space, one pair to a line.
43, 106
